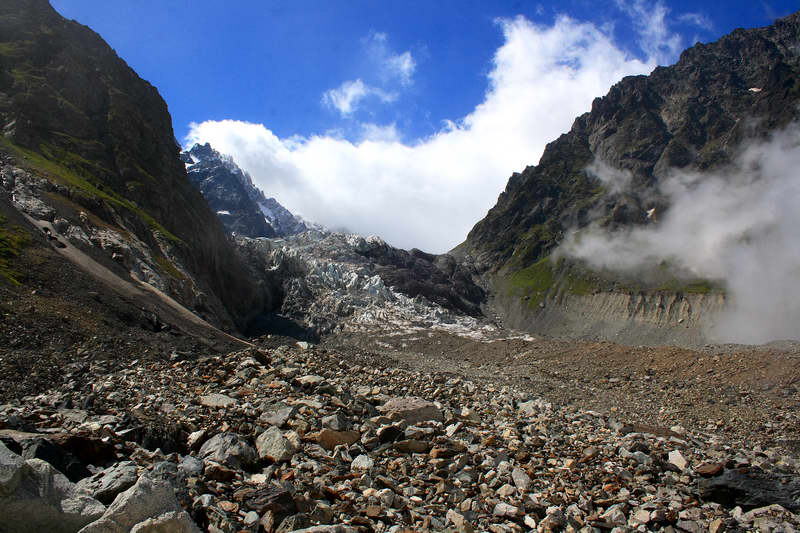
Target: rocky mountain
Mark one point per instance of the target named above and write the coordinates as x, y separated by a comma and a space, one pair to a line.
228, 191
693, 116
92, 150
240, 205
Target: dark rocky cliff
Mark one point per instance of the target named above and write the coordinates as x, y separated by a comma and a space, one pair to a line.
74, 112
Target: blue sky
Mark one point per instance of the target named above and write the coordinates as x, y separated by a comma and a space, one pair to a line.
403, 119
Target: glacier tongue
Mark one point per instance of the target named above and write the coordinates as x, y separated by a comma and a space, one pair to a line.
332, 284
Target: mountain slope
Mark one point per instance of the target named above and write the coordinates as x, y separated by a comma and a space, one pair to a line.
693, 116
75, 114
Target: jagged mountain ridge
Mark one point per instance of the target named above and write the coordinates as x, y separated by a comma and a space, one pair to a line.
227, 190
691, 116
242, 207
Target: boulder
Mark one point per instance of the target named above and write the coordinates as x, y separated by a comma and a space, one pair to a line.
217, 400
171, 522
278, 414
274, 446
59, 458
411, 410
34, 496
228, 449
106, 484
330, 439
148, 506
750, 489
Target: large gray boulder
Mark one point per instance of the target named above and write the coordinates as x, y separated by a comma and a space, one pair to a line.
106, 484
148, 506
228, 449
34, 496
272, 445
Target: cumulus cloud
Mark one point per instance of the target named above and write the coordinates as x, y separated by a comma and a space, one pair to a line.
347, 97
738, 225
428, 194
378, 133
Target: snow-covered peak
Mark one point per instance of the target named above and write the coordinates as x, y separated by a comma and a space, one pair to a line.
218, 175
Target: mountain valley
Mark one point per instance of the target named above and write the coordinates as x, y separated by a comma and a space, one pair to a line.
179, 352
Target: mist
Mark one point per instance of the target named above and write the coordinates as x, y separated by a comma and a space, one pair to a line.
740, 225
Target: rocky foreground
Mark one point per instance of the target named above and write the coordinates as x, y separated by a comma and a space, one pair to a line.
298, 438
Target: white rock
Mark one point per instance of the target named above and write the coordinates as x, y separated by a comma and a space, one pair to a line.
217, 400
362, 462
228, 449
521, 479
677, 459
274, 446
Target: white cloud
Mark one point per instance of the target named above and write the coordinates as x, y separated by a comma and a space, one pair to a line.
738, 225
430, 193
378, 133
650, 22
392, 72
401, 66
347, 97
391, 67
697, 19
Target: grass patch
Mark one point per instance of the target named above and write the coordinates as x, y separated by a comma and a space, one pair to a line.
556, 278
167, 266
12, 241
533, 282
693, 287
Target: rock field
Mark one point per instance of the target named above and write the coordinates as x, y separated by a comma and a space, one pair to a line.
290, 436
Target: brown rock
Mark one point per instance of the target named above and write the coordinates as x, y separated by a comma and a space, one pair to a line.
709, 469
218, 472
411, 446
329, 438
271, 498
228, 507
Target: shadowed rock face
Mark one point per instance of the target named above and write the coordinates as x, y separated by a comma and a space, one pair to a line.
439, 278
691, 115
70, 101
